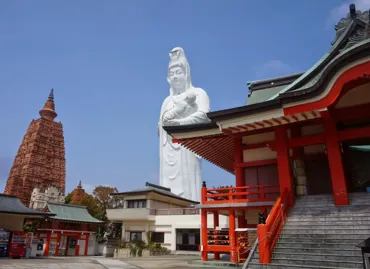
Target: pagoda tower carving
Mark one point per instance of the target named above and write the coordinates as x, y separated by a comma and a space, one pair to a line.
40, 160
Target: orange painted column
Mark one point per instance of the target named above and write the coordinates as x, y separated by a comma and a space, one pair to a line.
338, 180
77, 252
215, 225
232, 237
204, 234
263, 246
86, 244
242, 222
238, 159
58, 243
47, 245
285, 175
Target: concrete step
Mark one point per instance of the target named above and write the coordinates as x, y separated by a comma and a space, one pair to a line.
317, 249
351, 226
319, 261
324, 236
349, 241
324, 246
328, 222
282, 265
256, 265
302, 218
316, 257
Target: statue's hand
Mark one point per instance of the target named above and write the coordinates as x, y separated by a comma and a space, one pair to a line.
171, 122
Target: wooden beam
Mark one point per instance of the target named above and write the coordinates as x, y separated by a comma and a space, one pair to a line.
350, 113
354, 133
306, 141
257, 163
258, 145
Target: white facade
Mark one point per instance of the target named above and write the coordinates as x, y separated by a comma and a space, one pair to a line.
40, 198
167, 216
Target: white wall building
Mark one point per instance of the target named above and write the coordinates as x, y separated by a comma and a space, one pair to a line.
172, 220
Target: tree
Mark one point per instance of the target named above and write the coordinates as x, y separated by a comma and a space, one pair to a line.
67, 199
104, 199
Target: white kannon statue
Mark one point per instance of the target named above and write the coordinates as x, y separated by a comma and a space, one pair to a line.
180, 169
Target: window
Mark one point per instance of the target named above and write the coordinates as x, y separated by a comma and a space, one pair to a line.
134, 236
136, 204
158, 237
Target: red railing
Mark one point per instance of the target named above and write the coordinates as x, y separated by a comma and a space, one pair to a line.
268, 233
240, 194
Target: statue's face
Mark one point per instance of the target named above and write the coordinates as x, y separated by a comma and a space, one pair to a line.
177, 78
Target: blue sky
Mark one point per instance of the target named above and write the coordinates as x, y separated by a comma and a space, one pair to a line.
107, 61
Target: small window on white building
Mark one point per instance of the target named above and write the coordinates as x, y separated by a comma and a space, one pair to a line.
135, 236
136, 204
157, 237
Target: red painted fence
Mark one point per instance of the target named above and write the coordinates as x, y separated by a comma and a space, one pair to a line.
240, 194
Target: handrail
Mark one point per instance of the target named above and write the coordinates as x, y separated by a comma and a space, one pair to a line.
240, 194
252, 250
268, 233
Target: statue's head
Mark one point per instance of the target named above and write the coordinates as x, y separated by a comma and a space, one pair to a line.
178, 75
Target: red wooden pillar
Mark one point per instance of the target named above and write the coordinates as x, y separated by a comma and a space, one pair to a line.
338, 180
86, 244
238, 159
204, 234
58, 243
47, 245
232, 237
282, 150
215, 225
77, 252
242, 222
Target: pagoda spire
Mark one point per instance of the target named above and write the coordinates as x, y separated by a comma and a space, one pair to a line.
48, 111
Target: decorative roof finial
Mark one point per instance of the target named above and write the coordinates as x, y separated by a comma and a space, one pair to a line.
51, 95
352, 10
80, 183
48, 111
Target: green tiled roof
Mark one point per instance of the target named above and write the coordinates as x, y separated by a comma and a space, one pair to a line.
351, 32
10, 204
71, 213
263, 95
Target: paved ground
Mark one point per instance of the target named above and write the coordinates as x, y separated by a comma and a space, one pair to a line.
167, 262
158, 262
65, 263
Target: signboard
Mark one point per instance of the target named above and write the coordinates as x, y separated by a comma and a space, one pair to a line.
29, 237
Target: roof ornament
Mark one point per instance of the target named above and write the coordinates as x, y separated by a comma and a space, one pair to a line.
51, 95
353, 14
352, 11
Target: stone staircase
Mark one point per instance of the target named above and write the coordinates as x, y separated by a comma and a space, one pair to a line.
317, 234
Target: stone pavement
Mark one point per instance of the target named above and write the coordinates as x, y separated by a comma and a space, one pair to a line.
65, 263
156, 262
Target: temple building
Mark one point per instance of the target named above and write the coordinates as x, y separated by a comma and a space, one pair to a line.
40, 160
298, 150
70, 231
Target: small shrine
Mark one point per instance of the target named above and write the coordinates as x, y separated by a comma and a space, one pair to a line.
70, 232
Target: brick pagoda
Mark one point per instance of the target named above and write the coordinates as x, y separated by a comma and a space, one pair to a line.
77, 195
40, 160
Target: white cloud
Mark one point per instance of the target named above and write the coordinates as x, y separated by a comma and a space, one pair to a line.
273, 68
342, 10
